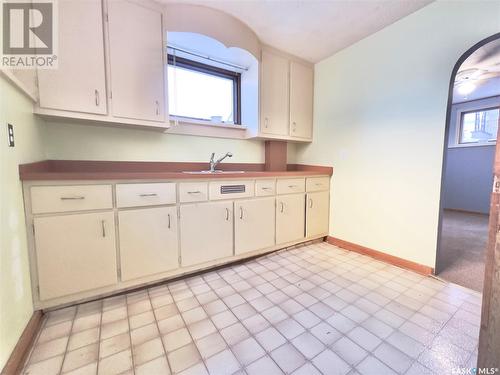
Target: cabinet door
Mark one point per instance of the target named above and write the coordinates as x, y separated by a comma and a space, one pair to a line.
318, 209
290, 214
79, 83
254, 224
274, 94
136, 61
148, 241
75, 253
301, 100
206, 232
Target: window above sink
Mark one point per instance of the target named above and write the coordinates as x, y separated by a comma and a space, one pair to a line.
211, 84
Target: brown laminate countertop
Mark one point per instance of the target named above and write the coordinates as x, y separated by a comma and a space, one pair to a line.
126, 170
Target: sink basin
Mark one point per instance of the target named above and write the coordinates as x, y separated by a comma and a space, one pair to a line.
214, 172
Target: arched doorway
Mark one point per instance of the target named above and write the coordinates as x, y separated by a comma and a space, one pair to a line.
467, 129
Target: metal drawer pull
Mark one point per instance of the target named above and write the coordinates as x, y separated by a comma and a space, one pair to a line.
266, 122
194, 192
282, 207
241, 213
267, 188
103, 226
319, 184
227, 214
96, 98
292, 186
157, 107
148, 195
310, 203
79, 198
168, 221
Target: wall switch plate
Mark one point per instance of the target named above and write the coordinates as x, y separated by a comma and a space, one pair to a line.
10, 134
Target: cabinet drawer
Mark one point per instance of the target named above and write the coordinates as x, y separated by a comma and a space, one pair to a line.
290, 185
193, 192
45, 199
230, 189
265, 187
133, 195
317, 184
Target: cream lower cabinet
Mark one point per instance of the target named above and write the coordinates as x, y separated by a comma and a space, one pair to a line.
148, 241
206, 232
317, 211
75, 253
290, 215
254, 224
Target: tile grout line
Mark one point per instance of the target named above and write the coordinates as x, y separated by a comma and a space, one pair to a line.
159, 332
99, 338
129, 333
69, 336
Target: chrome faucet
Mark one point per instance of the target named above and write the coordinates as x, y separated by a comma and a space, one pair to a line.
213, 163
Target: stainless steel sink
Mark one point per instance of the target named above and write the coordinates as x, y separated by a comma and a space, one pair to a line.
212, 172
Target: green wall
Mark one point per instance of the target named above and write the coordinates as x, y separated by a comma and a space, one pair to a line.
15, 289
379, 119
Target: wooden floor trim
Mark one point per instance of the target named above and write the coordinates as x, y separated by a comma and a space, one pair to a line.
21, 350
379, 255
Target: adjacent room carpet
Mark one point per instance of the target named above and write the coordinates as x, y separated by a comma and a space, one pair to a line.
463, 247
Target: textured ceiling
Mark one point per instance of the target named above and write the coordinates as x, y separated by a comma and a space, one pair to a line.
313, 29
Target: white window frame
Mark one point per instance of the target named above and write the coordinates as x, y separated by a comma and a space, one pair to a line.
458, 124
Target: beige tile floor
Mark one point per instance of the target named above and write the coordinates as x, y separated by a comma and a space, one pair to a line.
316, 309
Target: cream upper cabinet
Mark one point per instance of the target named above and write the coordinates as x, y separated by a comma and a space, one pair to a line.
78, 84
136, 61
75, 253
254, 221
274, 94
290, 215
148, 241
206, 232
301, 100
317, 211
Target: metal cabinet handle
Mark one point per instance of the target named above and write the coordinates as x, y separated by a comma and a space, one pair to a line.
168, 221
227, 214
148, 195
96, 93
294, 127
72, 198
241, 213
292, 186
157, 107
194, 192
310, 203
103, 227
266, 122
267, 188
282, 207
318, 184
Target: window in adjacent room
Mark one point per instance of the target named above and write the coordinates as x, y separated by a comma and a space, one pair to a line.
479, 126
203, 92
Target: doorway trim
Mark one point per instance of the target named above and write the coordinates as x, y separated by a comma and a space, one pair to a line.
454, 72
489, 335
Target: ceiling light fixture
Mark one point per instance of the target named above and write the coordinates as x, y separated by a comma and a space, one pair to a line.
466, 88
